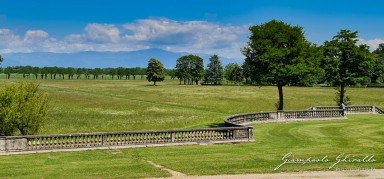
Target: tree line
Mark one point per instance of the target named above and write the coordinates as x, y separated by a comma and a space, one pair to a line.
78, 73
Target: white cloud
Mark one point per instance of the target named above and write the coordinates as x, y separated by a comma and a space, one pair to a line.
373, 43
189, 36
74, 38
9, 40
35, 36
178, 36
102, 33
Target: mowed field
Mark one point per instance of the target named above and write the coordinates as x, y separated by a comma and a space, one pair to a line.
121, 105
104, 105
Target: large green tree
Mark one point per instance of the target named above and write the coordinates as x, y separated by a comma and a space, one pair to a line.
190, 69
378, 71
278, 53
155, 71
1, 59
214, 72
345, 62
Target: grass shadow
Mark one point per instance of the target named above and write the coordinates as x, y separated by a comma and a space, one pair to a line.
217, 124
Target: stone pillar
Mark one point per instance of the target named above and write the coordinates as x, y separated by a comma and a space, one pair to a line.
273, 115
250, 133
15, 144
240, 134
2, 144
280, 115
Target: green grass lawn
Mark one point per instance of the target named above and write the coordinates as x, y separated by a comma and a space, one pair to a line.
106, 105
360, 135
112, 105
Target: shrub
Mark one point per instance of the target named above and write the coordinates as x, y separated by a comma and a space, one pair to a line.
23, 109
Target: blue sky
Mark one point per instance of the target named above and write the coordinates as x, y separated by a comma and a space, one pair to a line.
193, 26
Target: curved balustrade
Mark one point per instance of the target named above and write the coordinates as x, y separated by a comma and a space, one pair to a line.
316, 112
236, 133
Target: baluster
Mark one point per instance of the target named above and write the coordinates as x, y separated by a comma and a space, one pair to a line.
134, 138
184, 136
130, 138
57, 142
124, 139
118, 139
147, 138
80, 141
139, 137
38, 143
64, 142
160, 137
91, 140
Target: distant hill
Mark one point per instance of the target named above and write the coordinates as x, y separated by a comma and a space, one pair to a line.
92, 59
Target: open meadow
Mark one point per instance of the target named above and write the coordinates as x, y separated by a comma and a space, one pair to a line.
79, 106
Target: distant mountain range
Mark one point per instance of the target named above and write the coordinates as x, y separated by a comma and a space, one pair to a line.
93, 59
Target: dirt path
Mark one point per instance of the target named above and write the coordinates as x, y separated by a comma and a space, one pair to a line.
379, 173
174, 174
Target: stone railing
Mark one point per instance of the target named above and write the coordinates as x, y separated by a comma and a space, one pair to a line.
352, 109
316, 112
311, 114
237, 132
129, 139
241, 119
261, 117
378, 110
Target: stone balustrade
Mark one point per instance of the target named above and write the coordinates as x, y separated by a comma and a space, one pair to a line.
241, 119
236, 132
316, 112
93, 140
352, 109
333, 113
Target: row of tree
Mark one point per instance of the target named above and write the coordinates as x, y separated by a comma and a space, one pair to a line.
78, 73
190, 70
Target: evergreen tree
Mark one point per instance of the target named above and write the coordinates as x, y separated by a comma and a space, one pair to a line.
214, 72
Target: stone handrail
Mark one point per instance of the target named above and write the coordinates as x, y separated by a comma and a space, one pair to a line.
93, 140
352, 109
241, 119
311, 114
258, 117
378, 110
237, 132
316, 112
